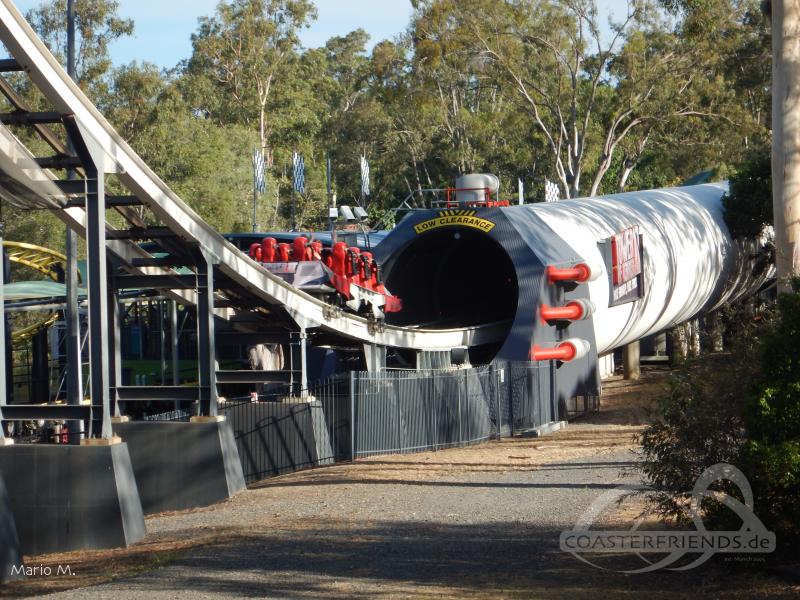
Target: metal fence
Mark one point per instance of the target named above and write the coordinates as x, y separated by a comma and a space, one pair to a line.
410, 411
279, 437
532, 397
363, 414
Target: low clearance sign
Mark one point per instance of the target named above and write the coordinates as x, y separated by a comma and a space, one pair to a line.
455, 218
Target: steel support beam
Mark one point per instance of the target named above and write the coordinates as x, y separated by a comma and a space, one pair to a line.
248, 376
98, 306
303, 362
30, 118
114, 342
73, 365
8, 65
166, 282
48, 412
98, 280
3, 398
375, 357
174, 354
111, 201
148, 393
206, 351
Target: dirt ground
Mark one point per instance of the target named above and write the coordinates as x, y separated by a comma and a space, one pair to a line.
479, 521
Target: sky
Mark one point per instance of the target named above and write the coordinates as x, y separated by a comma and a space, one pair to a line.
163, 27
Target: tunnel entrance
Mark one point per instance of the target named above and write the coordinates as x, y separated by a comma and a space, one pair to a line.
453, 278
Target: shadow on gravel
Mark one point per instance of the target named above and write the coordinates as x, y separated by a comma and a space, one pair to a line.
331, 560
322, 480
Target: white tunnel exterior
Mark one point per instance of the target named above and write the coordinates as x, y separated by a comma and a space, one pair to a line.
689, 262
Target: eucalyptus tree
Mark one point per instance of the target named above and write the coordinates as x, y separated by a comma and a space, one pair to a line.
248, 49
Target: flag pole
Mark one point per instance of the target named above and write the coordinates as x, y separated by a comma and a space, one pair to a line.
329, 177
294, 192
255, 190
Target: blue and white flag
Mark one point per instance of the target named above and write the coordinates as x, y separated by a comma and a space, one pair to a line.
260, 176
299, 173
551, 192
364, 176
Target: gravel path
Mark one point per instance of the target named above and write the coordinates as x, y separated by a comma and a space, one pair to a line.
477, 522
473, 532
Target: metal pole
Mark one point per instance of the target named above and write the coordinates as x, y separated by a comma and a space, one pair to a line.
173, 331
98, 303
294, 208
206, 360
115, 341
255, 193
73, 366
71, 38
3, 395
352, 415
329, 177
162, 340
303, 363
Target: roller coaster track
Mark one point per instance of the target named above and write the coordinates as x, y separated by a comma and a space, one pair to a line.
40, 259
249, 278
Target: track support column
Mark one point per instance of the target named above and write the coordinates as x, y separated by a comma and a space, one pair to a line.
114, 341
98, 305
206, 350
3, 395
303, 363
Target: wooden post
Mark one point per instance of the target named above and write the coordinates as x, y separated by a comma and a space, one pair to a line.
786, 137
630, 361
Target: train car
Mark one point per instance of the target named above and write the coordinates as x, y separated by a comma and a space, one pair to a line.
342, 275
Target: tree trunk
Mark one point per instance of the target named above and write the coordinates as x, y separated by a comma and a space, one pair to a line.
786, 137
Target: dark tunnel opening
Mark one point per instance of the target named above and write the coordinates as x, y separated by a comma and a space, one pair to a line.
453, 278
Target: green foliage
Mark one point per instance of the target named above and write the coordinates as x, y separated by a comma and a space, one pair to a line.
748, 204
702, 418
771, 455
743, 408
97, 25
518, 88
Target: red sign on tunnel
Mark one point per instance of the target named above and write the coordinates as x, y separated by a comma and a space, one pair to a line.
625, 260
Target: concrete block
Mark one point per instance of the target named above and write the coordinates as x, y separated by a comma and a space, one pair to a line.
543, 430
10, 555
182, 465
67, 497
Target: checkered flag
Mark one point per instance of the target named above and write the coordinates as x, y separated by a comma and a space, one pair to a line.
299, 173
551, 192
260, 175
364, 176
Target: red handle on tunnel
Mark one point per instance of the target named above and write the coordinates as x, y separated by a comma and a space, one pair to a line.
572, 311
580, 273
565, 351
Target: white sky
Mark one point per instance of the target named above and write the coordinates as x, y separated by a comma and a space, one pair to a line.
163, 27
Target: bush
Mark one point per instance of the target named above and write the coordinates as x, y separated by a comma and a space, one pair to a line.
741, 407
702, 418
771, 454
748, 203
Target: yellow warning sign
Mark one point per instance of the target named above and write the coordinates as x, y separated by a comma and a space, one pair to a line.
455, 218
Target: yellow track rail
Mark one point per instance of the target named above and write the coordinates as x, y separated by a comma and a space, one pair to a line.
40, 259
